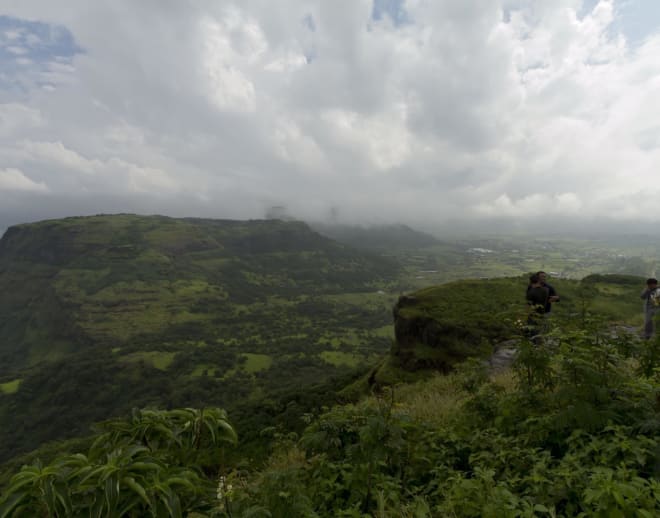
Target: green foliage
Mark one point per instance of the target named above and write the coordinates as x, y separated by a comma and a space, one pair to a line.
10, 387
477, 308
649, 357
100, 314
147, 465
575, 435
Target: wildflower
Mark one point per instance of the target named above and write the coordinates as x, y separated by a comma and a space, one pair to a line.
224, 490
221, 487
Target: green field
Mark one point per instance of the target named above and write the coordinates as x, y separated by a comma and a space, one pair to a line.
256, 362
157, 359
10, 387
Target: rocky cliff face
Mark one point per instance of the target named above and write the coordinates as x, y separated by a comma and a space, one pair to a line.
441, 326
426, 342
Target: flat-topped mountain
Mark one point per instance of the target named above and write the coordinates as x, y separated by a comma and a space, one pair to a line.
78, 282
99, 314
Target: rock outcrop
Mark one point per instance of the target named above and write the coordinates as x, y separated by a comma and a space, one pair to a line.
426, 342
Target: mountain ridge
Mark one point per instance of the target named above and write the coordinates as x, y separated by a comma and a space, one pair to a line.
209, 311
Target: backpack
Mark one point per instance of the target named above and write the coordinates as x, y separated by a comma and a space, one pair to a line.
654, 297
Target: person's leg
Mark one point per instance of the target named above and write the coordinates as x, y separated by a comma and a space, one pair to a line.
546, 322
648, 323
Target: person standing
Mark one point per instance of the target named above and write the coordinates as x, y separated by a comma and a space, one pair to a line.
651, 297
552, 293
537, 300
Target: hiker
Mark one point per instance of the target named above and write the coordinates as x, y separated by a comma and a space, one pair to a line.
651, 297
537, 300
552, 293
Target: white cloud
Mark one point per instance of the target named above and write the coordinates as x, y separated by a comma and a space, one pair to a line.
228, 86
66, 170
383, 138
534, 205
57, 155
16, 119
294, 146
14, 180
12, 35
13, 49
287, 63
477, 109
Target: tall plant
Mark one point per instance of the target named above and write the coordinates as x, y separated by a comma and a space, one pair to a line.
145, 465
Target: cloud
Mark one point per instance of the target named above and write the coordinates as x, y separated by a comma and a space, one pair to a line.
415, 111
16, 119
563, 204
14, 180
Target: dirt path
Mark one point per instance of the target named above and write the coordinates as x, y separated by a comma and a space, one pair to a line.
503, 356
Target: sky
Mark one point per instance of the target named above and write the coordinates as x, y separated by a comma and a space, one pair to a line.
441, 114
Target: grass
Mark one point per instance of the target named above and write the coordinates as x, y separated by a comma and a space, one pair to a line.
256, 362
388, 373
434, 399
48, 350
202, 370
329, 339
10, 387
339, 359
371, 300
158, 359
337, 338
125, 309
253, 363
384, 332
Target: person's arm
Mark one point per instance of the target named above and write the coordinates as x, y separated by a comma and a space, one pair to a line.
645, 293
552, 294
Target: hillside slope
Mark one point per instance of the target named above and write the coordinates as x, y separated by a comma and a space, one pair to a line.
440, 325
570, 430
103, 313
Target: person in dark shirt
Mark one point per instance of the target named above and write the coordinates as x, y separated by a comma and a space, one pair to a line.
537, 300
552, 293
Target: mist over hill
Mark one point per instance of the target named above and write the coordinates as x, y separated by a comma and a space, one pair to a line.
376, 237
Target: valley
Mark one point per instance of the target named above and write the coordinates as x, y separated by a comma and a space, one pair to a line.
269, 320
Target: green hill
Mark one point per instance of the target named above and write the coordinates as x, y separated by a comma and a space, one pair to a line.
438, 327
458, 317
102, 314
571, 429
